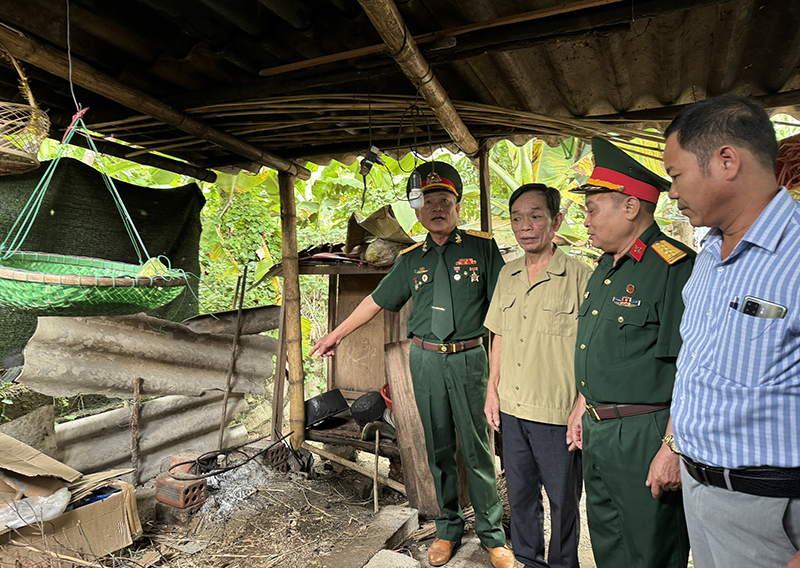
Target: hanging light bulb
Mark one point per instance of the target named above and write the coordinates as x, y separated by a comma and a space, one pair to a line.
415, 199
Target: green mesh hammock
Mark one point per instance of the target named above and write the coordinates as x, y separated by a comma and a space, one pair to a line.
54, 283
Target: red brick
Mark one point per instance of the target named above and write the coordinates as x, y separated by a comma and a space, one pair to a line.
180, 493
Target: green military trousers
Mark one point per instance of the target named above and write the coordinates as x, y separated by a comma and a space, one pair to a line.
450, 390
628, 527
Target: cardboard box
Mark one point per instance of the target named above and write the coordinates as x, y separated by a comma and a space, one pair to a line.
27, 472
88, 532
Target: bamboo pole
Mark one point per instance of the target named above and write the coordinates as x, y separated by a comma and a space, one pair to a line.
237, 297
355, 467
291, 303
390, 25
56, 62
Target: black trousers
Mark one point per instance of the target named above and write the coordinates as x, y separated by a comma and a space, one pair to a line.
536, 454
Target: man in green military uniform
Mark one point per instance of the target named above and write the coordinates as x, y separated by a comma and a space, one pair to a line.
627, 345
450, 276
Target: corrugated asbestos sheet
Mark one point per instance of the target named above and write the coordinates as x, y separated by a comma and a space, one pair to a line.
167, 426
104, 355
622, 62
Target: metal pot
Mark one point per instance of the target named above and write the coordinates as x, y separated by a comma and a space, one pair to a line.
324, 406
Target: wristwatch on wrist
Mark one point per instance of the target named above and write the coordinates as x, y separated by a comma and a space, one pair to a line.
669, 440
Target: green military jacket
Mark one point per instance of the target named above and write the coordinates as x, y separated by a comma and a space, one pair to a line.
628, 325
474, 262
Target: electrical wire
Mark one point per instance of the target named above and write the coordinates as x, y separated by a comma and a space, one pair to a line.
208, 464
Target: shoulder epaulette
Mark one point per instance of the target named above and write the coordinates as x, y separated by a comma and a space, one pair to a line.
412, 247
480, 234
669, 252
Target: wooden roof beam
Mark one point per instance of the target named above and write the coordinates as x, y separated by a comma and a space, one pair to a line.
54, 61
390, 25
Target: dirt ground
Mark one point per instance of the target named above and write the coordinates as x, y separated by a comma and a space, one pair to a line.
256, 517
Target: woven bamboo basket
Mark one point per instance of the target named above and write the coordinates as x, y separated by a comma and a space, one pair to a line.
22, 129
53, 283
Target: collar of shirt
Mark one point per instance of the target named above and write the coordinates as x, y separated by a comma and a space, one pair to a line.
456, 237
556, 267
647, 238
765, 232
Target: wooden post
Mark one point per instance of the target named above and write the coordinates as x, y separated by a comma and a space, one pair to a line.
279, 381
486, 195
291, 303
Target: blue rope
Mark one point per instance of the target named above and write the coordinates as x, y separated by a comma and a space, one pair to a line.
24, 222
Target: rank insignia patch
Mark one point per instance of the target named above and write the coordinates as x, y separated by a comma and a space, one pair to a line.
627, 302
669, 252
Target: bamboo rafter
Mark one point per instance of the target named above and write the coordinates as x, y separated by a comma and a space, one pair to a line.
299, 121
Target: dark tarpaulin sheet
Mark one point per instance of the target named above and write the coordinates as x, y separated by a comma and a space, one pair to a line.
78, 217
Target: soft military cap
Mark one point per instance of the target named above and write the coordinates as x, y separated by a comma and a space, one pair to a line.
439, 176
617, 171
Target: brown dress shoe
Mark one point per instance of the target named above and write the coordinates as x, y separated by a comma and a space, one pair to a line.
441, 551
502, 557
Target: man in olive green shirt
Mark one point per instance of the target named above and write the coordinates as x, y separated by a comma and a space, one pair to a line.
625, 355
450, 277
531, 392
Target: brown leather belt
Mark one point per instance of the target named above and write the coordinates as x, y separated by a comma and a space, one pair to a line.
447, 347
612, 411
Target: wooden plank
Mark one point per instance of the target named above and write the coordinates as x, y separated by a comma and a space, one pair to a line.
352, 439
359, 363
410, 435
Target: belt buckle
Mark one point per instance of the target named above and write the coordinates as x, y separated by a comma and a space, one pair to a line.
444, 347
593, 412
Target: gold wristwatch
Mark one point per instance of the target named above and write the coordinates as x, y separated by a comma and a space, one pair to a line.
669, 440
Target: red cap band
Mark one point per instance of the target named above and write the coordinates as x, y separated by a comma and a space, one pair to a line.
442, 183
631, 186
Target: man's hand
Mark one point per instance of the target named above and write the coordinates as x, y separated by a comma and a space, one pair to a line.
326, 346
794, 562
665, 472
574, 425
492, 409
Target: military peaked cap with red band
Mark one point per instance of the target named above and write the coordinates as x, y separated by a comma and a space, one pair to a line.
439, 176
617, 171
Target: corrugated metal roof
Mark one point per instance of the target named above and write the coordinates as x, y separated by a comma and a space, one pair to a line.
104, 355
167, 425
628, 62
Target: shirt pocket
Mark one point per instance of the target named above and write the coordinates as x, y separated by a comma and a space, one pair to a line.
470, 285
750, 349
508, 312
560, 317
630, 334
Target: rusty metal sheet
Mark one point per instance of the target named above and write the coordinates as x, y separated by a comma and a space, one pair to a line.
103, 355
167, 425
254, 320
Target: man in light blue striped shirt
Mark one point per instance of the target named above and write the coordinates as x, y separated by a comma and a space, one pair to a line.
736, 403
